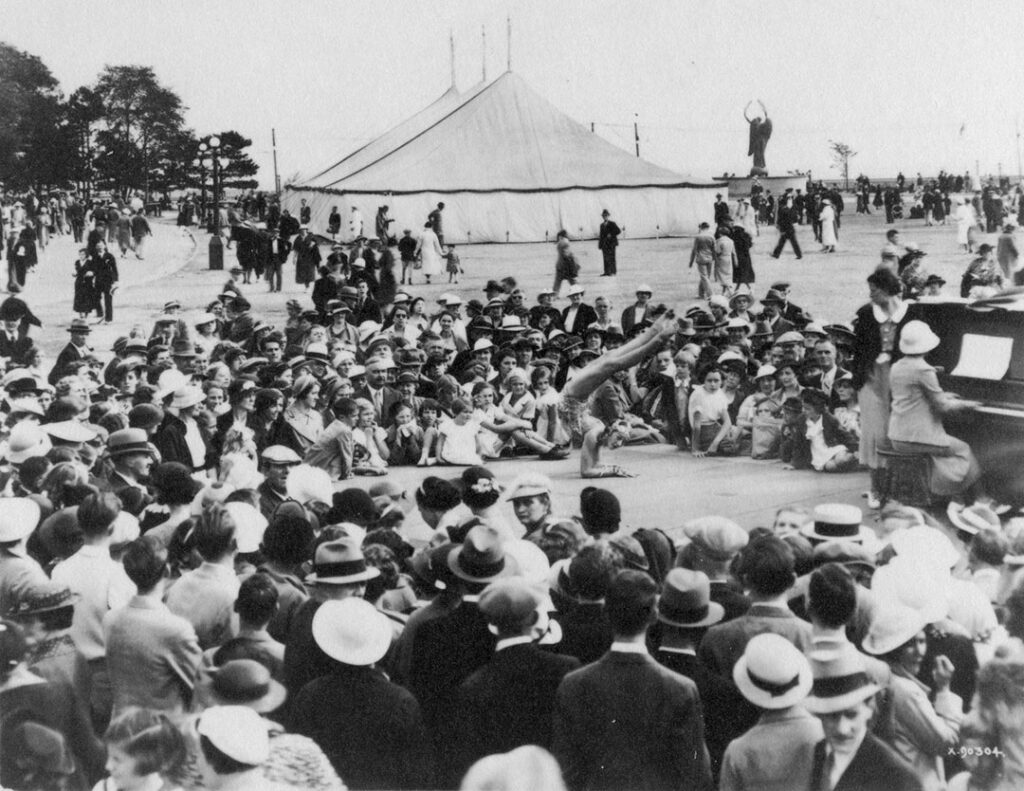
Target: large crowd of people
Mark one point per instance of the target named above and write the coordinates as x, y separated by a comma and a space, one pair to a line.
196, 591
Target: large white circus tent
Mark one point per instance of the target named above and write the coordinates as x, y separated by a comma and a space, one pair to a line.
510, 167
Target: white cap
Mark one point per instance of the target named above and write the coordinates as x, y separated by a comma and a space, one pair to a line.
237, 731
577, 289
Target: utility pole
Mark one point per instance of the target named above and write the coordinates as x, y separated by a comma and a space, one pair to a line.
636, 133
277, 179
591, 127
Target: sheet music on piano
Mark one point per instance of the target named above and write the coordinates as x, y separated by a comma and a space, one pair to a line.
984, 357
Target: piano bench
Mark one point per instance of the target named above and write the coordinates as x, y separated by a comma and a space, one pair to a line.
906, 478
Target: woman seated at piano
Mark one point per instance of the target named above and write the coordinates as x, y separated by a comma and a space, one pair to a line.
915, 421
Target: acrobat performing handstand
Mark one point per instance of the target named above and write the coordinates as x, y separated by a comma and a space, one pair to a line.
588, 432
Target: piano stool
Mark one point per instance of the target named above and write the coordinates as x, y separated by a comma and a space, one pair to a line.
906, 478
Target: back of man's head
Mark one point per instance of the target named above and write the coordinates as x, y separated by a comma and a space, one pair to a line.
257, 600
630, 602
831, 596
215, 533
592, 570
145, 562
766, 567
97, 513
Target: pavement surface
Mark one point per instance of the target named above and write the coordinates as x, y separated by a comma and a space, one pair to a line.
671, 487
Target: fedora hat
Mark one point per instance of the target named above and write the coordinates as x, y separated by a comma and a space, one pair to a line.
80, 325
340, 562
840, 681
27, 440
686, 600
893, 625
43, 597
129, 440
772, 673
18, 518
834, 521
317, 352
243, 682
481, 558
352, 631
738, 324
917, 338
737, 297
182, 347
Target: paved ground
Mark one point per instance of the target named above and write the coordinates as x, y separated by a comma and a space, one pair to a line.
671, 487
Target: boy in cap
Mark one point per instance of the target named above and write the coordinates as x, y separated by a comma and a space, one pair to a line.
509, 701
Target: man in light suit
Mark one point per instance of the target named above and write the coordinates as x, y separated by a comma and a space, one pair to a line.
625, 721
153, 655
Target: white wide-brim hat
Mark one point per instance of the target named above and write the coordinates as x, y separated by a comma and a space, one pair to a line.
352, 631
772, 673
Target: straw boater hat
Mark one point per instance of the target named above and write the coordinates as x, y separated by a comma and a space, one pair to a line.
834, 521
242, 682
974, 518
44, 597
892, 626
352, 631
840, 681
685, 600
772, 673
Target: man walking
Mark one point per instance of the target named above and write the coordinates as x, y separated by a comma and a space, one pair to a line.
787, 230
703, 254
607, 241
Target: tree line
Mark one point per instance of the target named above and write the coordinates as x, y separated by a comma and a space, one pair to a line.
124, 133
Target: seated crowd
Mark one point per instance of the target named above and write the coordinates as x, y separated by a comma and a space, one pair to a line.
189, 599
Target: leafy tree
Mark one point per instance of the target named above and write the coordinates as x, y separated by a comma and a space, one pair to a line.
141, 121
32, 138
240, 168
841, 155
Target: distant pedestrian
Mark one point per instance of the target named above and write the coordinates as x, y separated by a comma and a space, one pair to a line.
140, 230
436, 221
786, 224
566, 266
725, 258
607, 242
1007, 255
703, 254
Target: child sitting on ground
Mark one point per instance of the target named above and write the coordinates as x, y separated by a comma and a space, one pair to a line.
519, 407
370, 456
548, 424
848, 410
429, 415
818, 441
457, 438
405, 438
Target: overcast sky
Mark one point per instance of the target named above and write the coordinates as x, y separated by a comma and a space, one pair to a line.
909, 85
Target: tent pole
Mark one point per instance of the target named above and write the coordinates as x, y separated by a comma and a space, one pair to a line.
636, 134
273, 143
508, 27
483, 52
451, 42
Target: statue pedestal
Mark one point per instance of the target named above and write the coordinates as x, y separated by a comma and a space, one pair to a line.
740, 187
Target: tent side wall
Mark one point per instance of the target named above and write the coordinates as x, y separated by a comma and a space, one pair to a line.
503, 216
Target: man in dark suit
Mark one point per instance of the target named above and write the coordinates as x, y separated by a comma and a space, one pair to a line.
625, 721
377, 392
772, 304
607, 242
369, 728
13, 346
579, 597
76, 350
786, 223
365, 307
509, 701
446, 651
850, 758
578, 315
685, 611
636, 312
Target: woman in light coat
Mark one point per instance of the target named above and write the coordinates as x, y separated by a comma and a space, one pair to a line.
827, 217
429, 250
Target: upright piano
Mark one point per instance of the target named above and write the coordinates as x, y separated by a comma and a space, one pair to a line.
981, 358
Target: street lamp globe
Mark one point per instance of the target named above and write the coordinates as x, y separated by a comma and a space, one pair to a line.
215, 142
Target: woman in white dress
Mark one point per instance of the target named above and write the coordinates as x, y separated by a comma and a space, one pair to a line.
965, 218
828, 227
429, 250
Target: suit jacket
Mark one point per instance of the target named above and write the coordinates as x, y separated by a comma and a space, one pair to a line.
799, 454
368, 311
875, 767
585, 316
369, 728
629, 317
777, 754
69, 354
608, 236
724, 643
240, 330
388, 399
586, 632
16, 350
509, 702
627, 722
153, 657
718, 700
731, 597
133, 498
